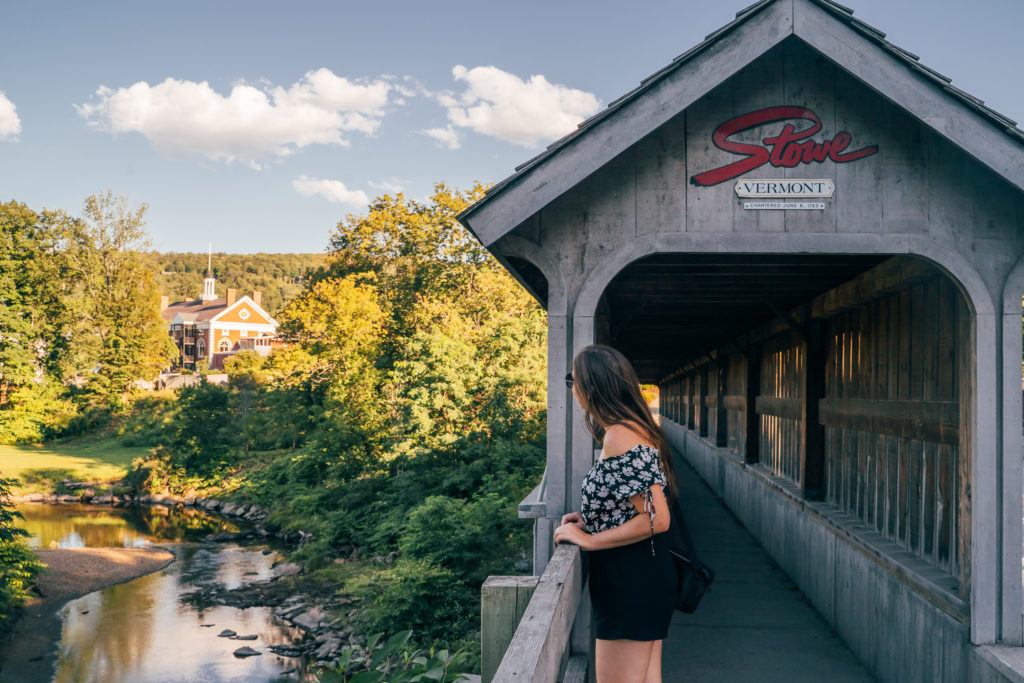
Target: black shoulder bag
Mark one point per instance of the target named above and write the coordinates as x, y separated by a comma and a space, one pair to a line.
695, 577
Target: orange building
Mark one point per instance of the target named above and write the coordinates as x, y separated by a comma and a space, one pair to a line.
212, 329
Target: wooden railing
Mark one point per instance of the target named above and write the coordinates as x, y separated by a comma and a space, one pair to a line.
540, 645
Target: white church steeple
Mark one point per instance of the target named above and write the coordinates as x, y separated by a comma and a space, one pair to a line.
209, 281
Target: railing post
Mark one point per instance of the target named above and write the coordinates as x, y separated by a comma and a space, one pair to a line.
544, 632
503, 599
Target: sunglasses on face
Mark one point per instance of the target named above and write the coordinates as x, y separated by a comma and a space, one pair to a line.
569, 380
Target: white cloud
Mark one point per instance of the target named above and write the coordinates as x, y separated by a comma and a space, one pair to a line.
10, 124
250, 123
392, 185
502, 105
333, 190
447, 136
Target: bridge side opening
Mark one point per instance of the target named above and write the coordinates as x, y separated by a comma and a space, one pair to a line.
839, 380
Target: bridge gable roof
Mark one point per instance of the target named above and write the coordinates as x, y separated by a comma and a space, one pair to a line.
828, 28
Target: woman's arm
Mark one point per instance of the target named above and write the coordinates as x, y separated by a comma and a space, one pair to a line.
636, 529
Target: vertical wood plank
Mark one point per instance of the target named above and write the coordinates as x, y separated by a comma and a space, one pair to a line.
892, 393
703, 400
812, 442
946, 465
751, 449
881, 331
903, 393
721, 415
929, 330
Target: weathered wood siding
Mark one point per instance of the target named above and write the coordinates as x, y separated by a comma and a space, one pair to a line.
892, 420
736, 404
895, 358
778, 404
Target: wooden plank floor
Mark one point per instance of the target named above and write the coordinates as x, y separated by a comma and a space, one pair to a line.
755, 625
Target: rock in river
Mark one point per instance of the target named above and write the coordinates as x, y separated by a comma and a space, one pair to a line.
309, 620
226, 633
246, 652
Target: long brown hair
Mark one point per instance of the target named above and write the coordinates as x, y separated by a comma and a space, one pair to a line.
609, 391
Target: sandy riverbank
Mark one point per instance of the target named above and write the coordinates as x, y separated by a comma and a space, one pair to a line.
71, 573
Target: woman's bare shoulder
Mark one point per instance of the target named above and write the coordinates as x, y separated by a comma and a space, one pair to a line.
620, 438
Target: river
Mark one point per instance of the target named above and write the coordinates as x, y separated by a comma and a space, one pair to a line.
141, 631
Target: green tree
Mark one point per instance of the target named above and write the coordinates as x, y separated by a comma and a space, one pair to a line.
33, 323
336, 327
406, 249
120, 336
204, 430
19, 566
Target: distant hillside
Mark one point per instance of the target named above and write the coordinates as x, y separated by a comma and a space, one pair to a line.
279, 276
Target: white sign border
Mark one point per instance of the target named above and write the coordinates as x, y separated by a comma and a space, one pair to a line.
786, 195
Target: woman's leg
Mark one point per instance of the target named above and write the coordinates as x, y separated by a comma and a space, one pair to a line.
654, 667
622, 661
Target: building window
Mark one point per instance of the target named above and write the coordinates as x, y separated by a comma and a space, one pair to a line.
243, 314
224, 332
224, 345
245, 333
201, 348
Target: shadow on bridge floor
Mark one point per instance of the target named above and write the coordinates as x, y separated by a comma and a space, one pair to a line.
755, 625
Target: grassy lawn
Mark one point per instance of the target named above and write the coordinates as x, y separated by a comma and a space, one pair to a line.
87, 461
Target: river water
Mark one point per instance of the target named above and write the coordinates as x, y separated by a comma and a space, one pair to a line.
141, 631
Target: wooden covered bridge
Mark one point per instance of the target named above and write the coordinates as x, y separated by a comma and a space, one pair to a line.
811, 242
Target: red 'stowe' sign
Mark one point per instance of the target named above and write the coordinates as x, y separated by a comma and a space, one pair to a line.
788, 149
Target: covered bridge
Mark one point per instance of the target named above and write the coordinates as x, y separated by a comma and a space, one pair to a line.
811, 242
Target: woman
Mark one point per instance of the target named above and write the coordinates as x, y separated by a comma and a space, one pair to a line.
622, 520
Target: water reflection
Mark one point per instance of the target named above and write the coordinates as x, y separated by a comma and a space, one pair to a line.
86, 526
141, 631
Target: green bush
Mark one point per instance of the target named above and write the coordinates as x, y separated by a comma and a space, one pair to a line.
35, 412
394, 662
417, 595
159, 472
19, 566
467, 537
204, 431
149, 422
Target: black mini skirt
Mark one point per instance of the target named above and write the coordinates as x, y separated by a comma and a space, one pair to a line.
633, 593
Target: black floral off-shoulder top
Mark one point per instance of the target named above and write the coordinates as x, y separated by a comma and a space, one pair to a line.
611, 482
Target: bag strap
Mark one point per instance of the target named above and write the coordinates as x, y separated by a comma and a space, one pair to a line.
691, 551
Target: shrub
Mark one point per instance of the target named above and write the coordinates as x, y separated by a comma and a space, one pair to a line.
204, 430
417, 595
393, 661
467, 537
19, 566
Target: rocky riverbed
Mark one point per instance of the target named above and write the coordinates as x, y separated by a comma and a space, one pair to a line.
314, 613
302, 603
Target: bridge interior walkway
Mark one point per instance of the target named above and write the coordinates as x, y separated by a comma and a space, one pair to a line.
754, 625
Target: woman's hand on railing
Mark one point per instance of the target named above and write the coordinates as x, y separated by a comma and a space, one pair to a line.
574, 518
570, 532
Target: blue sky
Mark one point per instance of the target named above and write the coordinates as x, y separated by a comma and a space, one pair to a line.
258, 125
